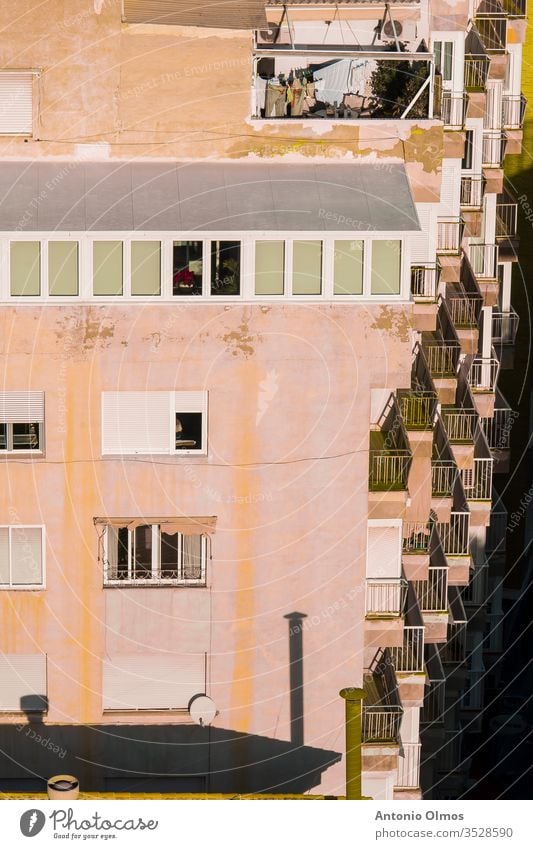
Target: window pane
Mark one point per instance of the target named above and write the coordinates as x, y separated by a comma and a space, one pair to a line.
3, 437
4, 555
122, 553
448, 60
63, 268
25, 268
225, 268
192, 557
107, 268
26, 556
188, 431
26, 436
187, 268
269, 268
348, 267
142, 564
386, 263
169, 555
307, 268
146, 268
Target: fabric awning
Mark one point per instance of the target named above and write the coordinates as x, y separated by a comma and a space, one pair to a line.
233, 197
186, 525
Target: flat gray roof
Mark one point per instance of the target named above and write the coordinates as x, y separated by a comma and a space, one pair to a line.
219, 196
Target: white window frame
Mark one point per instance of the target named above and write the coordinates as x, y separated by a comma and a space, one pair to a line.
22, 587
156, 580
21, 452
247, 271
34, 73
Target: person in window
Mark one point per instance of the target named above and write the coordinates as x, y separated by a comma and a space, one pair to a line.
181, 435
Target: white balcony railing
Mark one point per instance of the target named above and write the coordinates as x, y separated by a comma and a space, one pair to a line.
449, 235
460, 424
493, 149
443, 476
417, 408
443, 359
455, 534
410, 656
465, 310
513, 109
424, 282
409, 766
389, 469
505, 327
432, 594
453, 110
454, 650
483, 374
477, 482
497, 428
472, 188
484, 260
381, 723
385, 596
416, 537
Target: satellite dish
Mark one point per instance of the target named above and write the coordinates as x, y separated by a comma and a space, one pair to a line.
388, 29
202, 710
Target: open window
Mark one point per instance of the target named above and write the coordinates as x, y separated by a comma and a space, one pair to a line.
21, 422
153, 554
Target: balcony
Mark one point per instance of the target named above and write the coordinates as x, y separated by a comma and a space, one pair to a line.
483, 260
505, 327
493, 149
513, 111
453, 110
455, 534
433, 709
476, 72
449, 235
385, 597
443, 476
460, 424
409, 766
425, 282
409, 657
506, 216
432, 594
381, 723
477, 482
492, 30
496, 539
389, 453
483, 373
465, 309
417, 537
472, 189
443, 360
514, 8
497, 429
475, 594
417, 408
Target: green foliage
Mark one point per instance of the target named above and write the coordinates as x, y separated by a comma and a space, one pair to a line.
395, 83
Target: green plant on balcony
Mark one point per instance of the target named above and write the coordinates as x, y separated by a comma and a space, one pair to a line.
395, 84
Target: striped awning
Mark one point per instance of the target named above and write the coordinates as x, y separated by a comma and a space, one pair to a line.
222, 14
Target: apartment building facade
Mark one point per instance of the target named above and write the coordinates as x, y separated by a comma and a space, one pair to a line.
215, 220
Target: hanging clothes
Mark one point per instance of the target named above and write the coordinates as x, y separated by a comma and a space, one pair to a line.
298, 96
275, 99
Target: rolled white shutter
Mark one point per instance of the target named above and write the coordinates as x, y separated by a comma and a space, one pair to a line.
16, 106
450, 193
136, 423
21, 407
422, 245
190, 402
23, 682
152, 682
384, 557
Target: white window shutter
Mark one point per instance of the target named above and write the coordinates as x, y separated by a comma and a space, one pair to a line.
423, 243
16, 103
450, 193
384, 551
191, 402
152, 682
23, 682
136, 423
21, 407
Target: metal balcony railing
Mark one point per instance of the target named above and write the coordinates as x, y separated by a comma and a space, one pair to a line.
493, 149
455, 534
506, 217
409, 766
475, 593
496, 539
389, 469
472, 188
434, 703
416, 537
417, 408
514, 8
453, 110
476, 72
492, 32
483, 260
381, 723
477, 482
497, 428
385, 596
483, 374
443, 359
410, 656
432, 594
449, 235
460, 423
424, 281
465, 309
443, 476
513, 111
453, 651
505, 327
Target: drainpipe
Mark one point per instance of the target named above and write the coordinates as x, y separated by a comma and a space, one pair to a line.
353, 697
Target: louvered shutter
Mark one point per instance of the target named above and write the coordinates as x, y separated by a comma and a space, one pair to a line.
23, 682
423, 243
16, 106
152, 682
384, 558
450, 193
136, 423
21, 407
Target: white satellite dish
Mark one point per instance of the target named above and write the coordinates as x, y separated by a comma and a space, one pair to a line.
202, 710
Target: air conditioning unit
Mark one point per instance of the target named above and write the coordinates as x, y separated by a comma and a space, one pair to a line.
405, 31
269, 35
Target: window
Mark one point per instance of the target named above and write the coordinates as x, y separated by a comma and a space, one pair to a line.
348, 267
21, 557
156, 681
63, 271
23, 683
146, 268
444, 59
225, 268
21, 421
307, 268
149, 554
269, 267
107, 268
386, 267
187, 268
25, 268
154, 422
16, 103
466, 163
